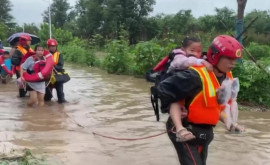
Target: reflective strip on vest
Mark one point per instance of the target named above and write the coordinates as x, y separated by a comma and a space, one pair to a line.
211, 88
56, 58
204, 108
22, 49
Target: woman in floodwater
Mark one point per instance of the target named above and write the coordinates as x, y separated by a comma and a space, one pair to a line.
197, 87
35, 64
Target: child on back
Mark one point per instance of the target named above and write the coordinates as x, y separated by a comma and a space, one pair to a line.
190, 54
35, 64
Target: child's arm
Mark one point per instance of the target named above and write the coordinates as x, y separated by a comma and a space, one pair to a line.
183, 62
208, 66
21, 73
24, 67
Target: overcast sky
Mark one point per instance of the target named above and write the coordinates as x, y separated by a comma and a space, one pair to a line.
29, 11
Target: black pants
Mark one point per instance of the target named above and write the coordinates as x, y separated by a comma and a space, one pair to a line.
22, 92
193, 152
59, 90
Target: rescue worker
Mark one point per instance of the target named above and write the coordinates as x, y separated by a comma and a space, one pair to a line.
197, 86
22, 51
58, 66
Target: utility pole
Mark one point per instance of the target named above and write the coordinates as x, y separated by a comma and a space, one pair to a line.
50, 21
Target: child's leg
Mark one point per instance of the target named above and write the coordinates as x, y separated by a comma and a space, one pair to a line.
40, 99
226, 116
182, 133
234, 111
33, 98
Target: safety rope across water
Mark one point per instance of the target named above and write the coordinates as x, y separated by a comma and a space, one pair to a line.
131, 139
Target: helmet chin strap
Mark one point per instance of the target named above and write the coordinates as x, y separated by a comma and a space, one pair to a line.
218, 70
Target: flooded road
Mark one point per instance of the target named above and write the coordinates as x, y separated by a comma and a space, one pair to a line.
117, 106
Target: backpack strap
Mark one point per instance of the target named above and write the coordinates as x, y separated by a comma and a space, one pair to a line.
154, 101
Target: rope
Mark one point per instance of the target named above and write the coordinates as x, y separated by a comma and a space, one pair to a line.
130, 139
4, 77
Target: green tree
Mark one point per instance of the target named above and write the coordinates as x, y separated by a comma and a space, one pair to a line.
90, 17
5, 8
127, 13
259, 31
181, 21
109, 17
262, 24
225, 16
31, 28
59, 13
62, 36
207, 23
3, 30
223, 21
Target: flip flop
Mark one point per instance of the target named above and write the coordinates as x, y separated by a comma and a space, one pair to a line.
184, 135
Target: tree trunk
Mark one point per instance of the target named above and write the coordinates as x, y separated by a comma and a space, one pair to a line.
240, 20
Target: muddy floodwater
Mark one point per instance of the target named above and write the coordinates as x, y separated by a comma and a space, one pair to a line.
117, 106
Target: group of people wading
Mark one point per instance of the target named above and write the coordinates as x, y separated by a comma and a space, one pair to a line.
34, 69
195, 92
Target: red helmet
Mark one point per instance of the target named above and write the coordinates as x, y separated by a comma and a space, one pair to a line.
23, 38
224, 45
52, 42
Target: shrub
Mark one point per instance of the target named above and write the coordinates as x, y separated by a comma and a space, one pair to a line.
117, 59
75, 52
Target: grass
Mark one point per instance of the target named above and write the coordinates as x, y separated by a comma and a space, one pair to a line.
26, 159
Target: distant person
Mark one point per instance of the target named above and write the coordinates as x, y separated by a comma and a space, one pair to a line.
5, 66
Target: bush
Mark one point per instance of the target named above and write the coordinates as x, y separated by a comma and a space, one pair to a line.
75, 52
146, 55
254, 83
117, 59
259, 51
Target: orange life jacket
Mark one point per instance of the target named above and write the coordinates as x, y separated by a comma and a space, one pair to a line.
204, 108
56, 57
22, 49
24, 52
